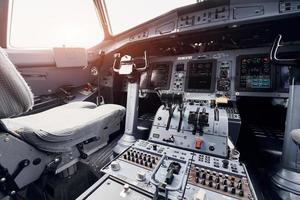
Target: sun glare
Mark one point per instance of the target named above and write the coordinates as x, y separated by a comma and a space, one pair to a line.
54, 23
127, 14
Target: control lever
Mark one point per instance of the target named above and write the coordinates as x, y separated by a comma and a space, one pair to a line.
178, 99
193, 118
162, 186
167, 100
203, 119
216, 114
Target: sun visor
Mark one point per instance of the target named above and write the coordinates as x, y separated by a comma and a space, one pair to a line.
70, 57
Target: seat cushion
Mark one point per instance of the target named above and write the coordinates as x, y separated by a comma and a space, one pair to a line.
71, 122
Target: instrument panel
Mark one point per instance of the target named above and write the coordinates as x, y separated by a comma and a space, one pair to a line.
254, 73
201, 76
246, 72
160, 75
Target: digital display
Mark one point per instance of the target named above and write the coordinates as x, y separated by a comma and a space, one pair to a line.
255, 73
160, 76
200, 77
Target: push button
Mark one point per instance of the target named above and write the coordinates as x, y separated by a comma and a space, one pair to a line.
198, 143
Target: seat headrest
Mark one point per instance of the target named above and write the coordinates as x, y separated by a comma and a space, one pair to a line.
15, 95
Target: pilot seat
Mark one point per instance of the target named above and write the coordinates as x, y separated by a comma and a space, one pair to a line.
52, 140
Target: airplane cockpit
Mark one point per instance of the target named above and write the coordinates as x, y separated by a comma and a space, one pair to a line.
161, 100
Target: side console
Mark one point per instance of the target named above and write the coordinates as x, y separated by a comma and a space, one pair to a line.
153, 171
196, 125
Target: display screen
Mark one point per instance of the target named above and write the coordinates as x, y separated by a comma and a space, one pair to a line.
200, 76
160, 75
255, 73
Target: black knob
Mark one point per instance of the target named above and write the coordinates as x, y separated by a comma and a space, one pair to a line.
211, 148
225, 163
239, 186
153, 160
232, 190
241, 193
212, 103
225, 189
154, 147
203, 181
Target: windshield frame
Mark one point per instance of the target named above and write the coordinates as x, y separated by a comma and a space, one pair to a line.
108, 21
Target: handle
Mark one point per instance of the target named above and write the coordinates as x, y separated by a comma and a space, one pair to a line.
146, 63
274, 50
117, 59
168, 188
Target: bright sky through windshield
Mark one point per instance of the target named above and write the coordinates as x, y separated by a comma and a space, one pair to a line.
50, 23
54, 23
124, 14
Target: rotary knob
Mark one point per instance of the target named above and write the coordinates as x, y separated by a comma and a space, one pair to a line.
141, 176
115, 166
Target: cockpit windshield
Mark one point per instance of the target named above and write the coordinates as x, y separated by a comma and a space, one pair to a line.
124, 15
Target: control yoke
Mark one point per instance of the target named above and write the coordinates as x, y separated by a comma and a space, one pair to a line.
127, 65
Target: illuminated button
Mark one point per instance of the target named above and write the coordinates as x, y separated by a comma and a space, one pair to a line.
198, 143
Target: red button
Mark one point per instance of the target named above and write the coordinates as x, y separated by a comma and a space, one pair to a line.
198, 143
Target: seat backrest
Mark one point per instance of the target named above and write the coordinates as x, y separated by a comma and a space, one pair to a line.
15, 95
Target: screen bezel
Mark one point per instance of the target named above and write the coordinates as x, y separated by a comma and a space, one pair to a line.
238, 75
152, 66
278, 78
213, 74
